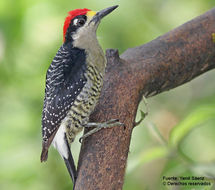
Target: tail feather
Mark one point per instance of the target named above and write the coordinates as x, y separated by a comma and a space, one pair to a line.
44, 155
71, 168
45, 147
63, 148
70, 164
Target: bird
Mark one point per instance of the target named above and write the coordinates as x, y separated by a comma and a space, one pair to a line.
73, 85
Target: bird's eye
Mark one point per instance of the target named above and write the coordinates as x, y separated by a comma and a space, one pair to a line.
79, 22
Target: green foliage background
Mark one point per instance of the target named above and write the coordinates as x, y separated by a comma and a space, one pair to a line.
176, 139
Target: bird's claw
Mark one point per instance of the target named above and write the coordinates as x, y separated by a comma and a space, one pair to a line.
99, 126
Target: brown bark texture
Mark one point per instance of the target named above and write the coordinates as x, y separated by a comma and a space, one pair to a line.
162, 64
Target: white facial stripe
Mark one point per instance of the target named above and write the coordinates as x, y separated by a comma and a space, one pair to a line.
75, 21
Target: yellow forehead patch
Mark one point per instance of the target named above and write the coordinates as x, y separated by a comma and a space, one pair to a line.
90, 13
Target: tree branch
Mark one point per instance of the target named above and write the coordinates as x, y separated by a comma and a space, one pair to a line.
162, 64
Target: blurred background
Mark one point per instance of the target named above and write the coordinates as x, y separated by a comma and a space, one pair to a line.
176, 139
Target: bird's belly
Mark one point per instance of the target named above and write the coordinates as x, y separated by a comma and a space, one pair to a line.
78, 116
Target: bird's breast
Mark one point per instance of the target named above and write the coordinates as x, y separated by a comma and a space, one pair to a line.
84, 104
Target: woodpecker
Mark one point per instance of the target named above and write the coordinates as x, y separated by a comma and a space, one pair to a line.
73, 85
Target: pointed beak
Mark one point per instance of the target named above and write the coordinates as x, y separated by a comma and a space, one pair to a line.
99, 15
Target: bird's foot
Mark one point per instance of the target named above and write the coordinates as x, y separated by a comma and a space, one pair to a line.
99, 126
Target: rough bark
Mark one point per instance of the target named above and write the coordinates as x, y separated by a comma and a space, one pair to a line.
162, 64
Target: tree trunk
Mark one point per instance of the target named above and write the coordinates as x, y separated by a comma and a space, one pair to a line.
162, 64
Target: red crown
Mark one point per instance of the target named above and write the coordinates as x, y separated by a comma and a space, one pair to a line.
72, 14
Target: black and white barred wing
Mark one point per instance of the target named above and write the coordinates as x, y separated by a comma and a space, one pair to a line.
64, 81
